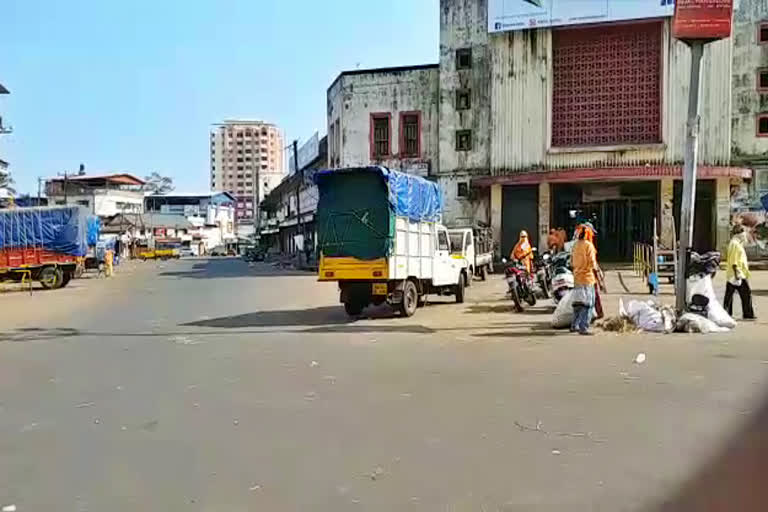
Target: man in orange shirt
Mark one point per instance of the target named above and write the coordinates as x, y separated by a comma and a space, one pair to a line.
584, 262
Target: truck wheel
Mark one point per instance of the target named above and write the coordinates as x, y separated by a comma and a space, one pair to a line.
483, 273
460, 289
50, 277
353, 308
66, 278
410, 299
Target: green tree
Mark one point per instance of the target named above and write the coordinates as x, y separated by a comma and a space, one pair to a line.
158, 184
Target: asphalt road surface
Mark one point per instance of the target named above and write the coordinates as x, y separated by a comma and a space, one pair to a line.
210, 385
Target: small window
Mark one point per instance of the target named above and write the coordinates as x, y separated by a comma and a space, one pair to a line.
464, 140
762, 80
463, 189
762, 125
762, 34
464, 58
410, 134
380, 136
442, 241
463, 99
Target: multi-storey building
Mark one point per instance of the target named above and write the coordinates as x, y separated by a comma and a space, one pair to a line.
247, 162
546, 115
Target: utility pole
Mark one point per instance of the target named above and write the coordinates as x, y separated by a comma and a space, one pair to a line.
688, 208
299, 174
39, 190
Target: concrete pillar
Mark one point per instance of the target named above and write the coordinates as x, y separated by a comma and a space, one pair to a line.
667, 212
544, 209
496, 199
722, 213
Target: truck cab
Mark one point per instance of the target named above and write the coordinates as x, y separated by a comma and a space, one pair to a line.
475, 246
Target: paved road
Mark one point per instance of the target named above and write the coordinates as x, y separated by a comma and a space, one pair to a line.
209, 385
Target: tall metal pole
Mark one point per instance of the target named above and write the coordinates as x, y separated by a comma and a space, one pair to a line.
688, 208
298, 196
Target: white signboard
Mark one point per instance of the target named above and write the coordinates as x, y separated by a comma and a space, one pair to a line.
507, 15
308, 152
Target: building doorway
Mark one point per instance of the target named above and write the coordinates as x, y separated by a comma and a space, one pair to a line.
622, 213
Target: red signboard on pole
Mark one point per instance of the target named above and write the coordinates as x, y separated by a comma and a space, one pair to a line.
702, 19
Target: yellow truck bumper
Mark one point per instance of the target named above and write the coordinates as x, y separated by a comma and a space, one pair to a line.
352, 269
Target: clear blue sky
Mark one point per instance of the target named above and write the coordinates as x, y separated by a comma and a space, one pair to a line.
134, 86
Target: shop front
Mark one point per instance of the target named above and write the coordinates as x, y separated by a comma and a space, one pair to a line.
622, 203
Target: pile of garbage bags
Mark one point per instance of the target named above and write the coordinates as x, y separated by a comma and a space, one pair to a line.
706, 264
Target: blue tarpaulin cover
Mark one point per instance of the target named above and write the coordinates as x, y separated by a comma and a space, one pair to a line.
357, 209
61, 229
94, 230
764, 200
409, 195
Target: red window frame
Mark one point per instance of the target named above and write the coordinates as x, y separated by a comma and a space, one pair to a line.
757, 125
372, 143
759, 87
401, 139
760, 26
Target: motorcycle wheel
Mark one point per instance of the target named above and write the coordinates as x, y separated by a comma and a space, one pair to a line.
531, 299
546, 288
515, 293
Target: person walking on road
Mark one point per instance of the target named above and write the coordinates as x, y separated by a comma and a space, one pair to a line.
584, 262
738, 275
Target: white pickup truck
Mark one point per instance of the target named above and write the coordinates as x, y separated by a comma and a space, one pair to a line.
380, 238
475, 246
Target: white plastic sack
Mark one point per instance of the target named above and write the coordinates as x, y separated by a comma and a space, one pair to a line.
562, 318
691, 322
702, 285
563, 315
647, 316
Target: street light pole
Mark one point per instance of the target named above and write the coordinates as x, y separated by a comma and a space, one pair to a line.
688, 207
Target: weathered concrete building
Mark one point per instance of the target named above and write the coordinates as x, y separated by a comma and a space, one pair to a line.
386, 116
545, 116
750, 118
583, 120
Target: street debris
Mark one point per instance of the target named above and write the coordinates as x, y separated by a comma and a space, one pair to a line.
96, 421
701, 299
84, 405
235, 422
555, 452
9, 508
27, 428
640, 358
618, 324
254, 488
376, 473
314, 364
310, 396
538, 428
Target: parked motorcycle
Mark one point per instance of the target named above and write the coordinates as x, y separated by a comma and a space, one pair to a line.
543, 269
562, 278
520, 285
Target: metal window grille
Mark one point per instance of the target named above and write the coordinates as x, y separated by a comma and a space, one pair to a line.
410, 135
380, 137
607, 85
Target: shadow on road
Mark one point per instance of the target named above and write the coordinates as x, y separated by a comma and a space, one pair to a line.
506, 309
228, 268
329, 315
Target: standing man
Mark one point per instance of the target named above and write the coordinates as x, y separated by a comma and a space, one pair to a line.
584, 262
738, 275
